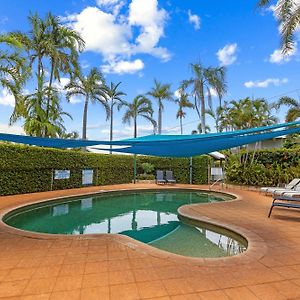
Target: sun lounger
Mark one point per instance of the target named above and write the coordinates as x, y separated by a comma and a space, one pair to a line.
289, 186
285, 202
160, 177
290, 193
286, 198
169, 177
282, 192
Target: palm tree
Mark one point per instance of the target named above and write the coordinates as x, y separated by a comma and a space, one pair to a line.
37, 122
114, 97
216, 115
46, 40
62, 49
288, 14
91, 87
203, 80
12, 67
35, 44
293, 112
161, 92
182, 102
247, 113
140, 107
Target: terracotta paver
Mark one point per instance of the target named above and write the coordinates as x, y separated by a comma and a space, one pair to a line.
38, 266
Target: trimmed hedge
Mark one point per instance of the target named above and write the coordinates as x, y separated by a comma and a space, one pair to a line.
26, 169
263, 167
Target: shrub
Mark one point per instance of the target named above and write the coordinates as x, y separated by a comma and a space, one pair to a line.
146, 177
147, 168
26, 169
264, 167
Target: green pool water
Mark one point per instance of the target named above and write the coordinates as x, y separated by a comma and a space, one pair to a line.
148, 216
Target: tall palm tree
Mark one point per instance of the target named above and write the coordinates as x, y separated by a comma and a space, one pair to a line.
140, 107
12, 67
62, 49
47, 40
35, 44
182, 102
161, 92
293, 112
114, 97
288, 14
91, 87
202, 81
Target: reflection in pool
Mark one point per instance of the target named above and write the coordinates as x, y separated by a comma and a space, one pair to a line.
147, 216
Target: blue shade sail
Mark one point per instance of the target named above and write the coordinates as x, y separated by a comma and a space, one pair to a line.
169, 145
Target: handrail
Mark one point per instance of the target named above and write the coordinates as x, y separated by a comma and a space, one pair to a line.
218, 180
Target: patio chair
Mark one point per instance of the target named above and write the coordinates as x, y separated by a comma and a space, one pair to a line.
290, 193
285, 202
160, 177
288, 187
169, 177
295, 189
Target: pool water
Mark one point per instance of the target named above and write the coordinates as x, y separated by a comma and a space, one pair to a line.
147, 216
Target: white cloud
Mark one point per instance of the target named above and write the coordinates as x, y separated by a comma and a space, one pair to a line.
151, 20
107, 2
101, 32
227, 55
7, 98
277, 57
113, 6
14, 129
61, 85
177, 94
194, 20
213, 92
122, 67
118, 36
265, 83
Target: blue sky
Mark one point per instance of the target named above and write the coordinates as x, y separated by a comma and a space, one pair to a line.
135, 41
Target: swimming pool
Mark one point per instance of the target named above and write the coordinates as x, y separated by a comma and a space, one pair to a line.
149, 216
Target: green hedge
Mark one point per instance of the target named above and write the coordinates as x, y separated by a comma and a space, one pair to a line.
25, 169
264, 167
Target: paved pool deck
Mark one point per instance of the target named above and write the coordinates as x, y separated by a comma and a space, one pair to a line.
36, 266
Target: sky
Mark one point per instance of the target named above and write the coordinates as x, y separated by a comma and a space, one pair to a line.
137, 41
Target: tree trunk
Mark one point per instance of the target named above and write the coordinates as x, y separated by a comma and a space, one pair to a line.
159, 117
49, 91
84, 121
135, 127
39, 93
203, 123
181, 129
111, 123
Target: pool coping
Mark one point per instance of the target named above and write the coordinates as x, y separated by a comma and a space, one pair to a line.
256, 247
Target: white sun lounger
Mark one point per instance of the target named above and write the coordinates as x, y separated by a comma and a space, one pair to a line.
290, 186
293, 192
280, 192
